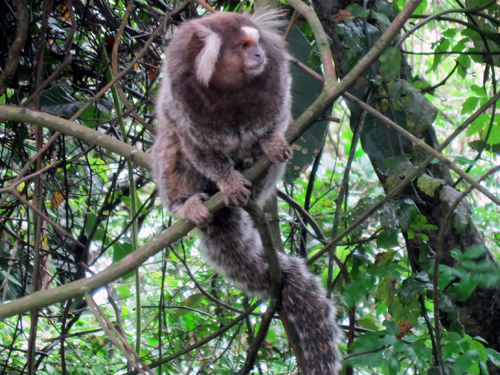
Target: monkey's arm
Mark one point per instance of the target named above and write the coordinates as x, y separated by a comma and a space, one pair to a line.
218, 167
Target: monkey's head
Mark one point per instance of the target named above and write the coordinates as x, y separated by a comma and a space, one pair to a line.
225, 50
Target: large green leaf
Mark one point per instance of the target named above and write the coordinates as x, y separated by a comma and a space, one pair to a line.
410, 108
305, 90
57, 100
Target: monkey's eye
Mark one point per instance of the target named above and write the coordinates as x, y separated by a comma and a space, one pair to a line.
245, 45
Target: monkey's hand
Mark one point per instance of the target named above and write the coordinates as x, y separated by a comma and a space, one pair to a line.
194, 210
235, 190
276, 148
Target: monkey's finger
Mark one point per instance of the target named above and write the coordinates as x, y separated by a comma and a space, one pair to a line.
203, 222
237, 200
194, 210
203, 197
238, 197
277, 151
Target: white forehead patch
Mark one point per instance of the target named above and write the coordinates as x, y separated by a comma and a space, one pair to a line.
252, 32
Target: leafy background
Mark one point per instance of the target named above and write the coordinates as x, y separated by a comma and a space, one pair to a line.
440, 75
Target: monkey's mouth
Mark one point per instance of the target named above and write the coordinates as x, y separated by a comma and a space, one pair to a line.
255, 68
255, 65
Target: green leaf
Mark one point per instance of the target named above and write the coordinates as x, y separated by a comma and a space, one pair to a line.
11, 278
384, 259
494, 148
479, 145
444, 45
421, 8
410, 312
465, 64
391, 362
366, 359
57, 100
353, 292
390, 63
305, 90
366, 342
452, 349
464, 161
470, 105
462, 212
478, 90
368, 322
387, 239
468, 284
483, 368
446, 276
474, 252
386, 290
428, 184
383, 22
94, 114
90, 222
494, 137
126, 200
50, 369
457, 254
399, 167
493, 356
123, 291
411, 288
464, 362
357, 11
478, 124
463, 289
450, 33
420, 354
195, 300
120, 251
392, 328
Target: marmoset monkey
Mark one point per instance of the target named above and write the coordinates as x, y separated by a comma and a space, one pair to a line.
224, 102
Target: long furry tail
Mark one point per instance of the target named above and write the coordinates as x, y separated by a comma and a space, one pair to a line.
232, 246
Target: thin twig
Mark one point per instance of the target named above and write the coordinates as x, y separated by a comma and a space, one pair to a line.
420, 143
201, 289
214, 335
47, 219
437, 15
98, 316
204, 4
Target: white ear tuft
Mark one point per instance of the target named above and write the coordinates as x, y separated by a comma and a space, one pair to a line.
208, 56
269, 19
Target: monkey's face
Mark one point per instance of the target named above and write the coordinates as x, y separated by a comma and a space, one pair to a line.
227, 51
241, 58
254, 58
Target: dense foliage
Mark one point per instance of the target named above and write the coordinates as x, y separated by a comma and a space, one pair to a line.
368, 205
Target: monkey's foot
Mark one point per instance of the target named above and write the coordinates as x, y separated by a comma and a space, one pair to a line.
235, 190
276, 148
194, 210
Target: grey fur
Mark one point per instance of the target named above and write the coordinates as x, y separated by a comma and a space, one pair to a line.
214, 120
